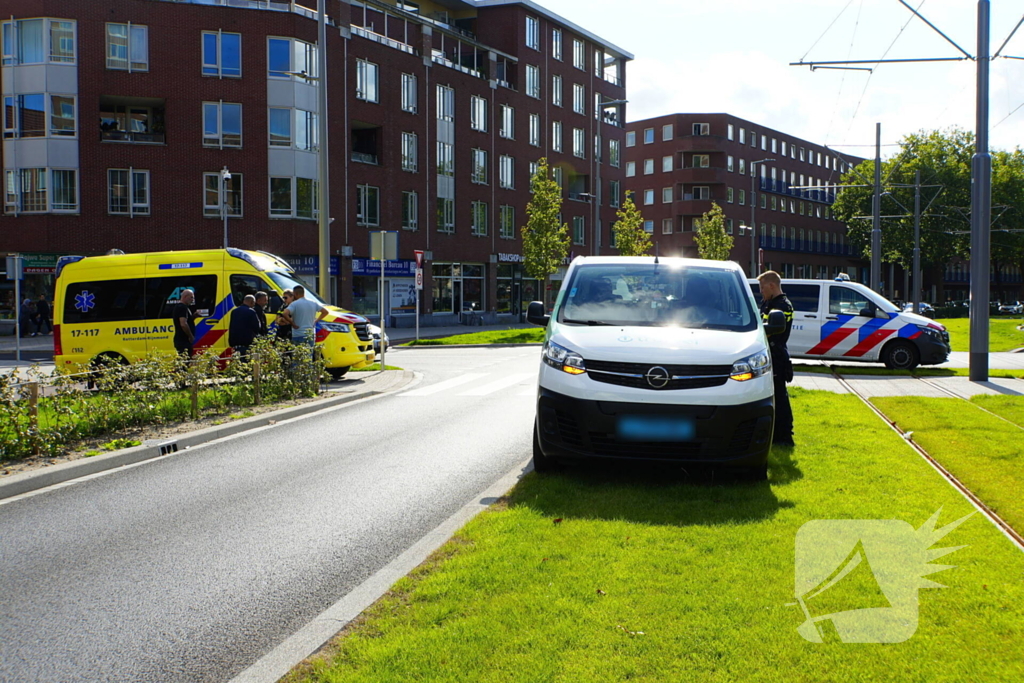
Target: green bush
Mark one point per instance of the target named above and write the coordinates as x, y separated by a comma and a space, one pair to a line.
111, 396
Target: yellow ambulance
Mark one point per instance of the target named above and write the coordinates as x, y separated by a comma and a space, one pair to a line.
119, 306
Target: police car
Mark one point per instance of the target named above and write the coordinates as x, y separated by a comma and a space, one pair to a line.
843, 320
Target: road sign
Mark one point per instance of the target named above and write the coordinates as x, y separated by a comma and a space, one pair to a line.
14, 271
419, 258
419, 278
386, 243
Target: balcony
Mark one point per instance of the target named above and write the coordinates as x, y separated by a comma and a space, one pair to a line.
137, 120
366, 139
270, 5
364, 158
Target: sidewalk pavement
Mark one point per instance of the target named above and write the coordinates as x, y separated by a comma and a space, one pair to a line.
355, 386
881, 385
403, 334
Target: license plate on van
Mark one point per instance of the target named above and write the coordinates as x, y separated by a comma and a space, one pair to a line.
656, 428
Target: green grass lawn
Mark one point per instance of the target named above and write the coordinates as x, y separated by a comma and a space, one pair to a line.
512, 336
597, 576
919, 372
981, 450
375, 367
1003, 334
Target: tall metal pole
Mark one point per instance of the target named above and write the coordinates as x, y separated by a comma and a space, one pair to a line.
753, 243
324, 204
981, 207
917, 243
876, 215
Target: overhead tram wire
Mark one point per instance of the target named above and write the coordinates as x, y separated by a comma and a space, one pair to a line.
838, 16
842, 81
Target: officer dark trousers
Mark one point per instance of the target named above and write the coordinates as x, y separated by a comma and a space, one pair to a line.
783, 411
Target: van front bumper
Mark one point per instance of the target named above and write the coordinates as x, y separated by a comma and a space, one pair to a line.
733, 435
932, 351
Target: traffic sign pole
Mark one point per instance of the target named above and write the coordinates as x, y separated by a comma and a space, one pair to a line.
419, 288
14, 272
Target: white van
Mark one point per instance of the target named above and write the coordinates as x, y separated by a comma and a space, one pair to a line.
654, 359
843, 320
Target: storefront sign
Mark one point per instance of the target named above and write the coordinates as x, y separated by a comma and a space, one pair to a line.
39, 264
403, 297
310, 265
511, 258
367, 267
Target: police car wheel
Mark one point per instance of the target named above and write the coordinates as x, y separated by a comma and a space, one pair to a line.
901, 355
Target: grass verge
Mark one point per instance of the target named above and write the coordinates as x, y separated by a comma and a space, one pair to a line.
593, 576
512, 336
1003, 334
375, 367
981, 450
919, 372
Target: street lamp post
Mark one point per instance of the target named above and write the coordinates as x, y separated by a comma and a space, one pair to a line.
225, 176
753, 228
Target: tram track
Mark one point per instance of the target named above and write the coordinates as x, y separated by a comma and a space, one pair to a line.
999, 522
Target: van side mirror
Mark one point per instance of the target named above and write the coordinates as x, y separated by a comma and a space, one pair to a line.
868, 311
776, 323
535, 314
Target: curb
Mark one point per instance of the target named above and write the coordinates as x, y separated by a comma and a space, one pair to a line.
464, 346
58, 474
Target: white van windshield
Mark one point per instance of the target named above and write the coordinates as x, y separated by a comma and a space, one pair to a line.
649, 295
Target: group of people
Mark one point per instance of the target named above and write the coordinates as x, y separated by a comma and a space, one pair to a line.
34, 316
295, 322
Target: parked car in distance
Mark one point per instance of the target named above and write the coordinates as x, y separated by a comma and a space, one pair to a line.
374, 332
926, 309
1015, 308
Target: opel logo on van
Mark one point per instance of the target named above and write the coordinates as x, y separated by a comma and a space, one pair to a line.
658, 377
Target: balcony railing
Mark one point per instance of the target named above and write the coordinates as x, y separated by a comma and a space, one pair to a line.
129, 136
441, 59
383, 40
271, 5
364, 158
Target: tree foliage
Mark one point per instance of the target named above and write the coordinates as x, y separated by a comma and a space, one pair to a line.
630, 237
944, 159
712, 240
545, 237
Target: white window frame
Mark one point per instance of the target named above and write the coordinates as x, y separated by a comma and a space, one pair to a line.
13, 195
579, 98
410, 210
478, 219
579, 54
221, 208
507, 222
701, 192
579, 143
535, 131
218, 139
556, 90
409, 93
478, 169
667, 225
648, 197
701, 161
648, 166
134, 208
579, 230
648, 136
363, 193
508, 122
533, 81
216, 68
132, 37
532, 32
478, 113
556, 136
506, 173
631, 138
668, 164
730, 132
667, 195
630, 169
667, 132
410, 151
556, 43
367, 81
702, 129
614, 153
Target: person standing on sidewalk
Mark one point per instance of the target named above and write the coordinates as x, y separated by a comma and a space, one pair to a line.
184, 317
284, 317
305, 314
773, 299
244, 327
43, 315
27, 318
261, 311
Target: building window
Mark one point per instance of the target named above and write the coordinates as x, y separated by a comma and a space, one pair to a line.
556, 43
217, 203
729, 164
533, 32
127, 47
666, 226
743, 136
25, 116
306, 131
648, 166
409, 93
729, 132
27, 191
667, 132
579, 98
24, 41
630, 169
289, 58
702, 129
648, 136
479, 175
579, 143
478, 114
410, 152
280, 125
579, 55
508, 222
775, 146
702, 192
128, 192
613, 194
784, 148
648, 197
281, 197
558, 177
222, 124
743, 167
479, 224
649, 227
667, 164
701, 161
506, 168
556, 91
410, 211
556, 136
445, 215
293, 197
764, 143
367, 81
535, 130
666, 195
729, 194
222, 54
367, 205
802, 154
614, 153
728, 226
579, 230
446, 159
532, 81
445, 103
631, 139
753, 138
508, 122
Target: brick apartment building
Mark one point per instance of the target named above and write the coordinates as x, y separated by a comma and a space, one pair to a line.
119, 117
677, 165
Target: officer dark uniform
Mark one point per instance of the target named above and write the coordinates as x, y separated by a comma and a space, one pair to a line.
782, 369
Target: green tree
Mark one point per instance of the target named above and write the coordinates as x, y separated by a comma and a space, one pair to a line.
630, 237
545, 237
712, 240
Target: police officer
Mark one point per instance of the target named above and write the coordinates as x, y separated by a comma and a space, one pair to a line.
773, 299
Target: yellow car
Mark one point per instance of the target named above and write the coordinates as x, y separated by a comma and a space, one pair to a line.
119, 306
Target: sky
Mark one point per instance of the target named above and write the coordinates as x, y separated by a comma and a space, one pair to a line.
733, 56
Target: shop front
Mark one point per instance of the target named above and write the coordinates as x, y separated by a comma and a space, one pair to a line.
39, 272
399, 290
308, 270
516, 289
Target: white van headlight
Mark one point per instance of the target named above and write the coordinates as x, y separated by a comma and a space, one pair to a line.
336, 327
751, 366
563, 359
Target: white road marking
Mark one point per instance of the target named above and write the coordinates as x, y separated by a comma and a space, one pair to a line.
498, 385
443, 386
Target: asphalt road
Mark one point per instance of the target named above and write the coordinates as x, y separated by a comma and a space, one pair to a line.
191, 567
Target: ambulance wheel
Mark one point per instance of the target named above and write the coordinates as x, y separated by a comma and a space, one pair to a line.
104, 360
337, 373
901, 355
542, 464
